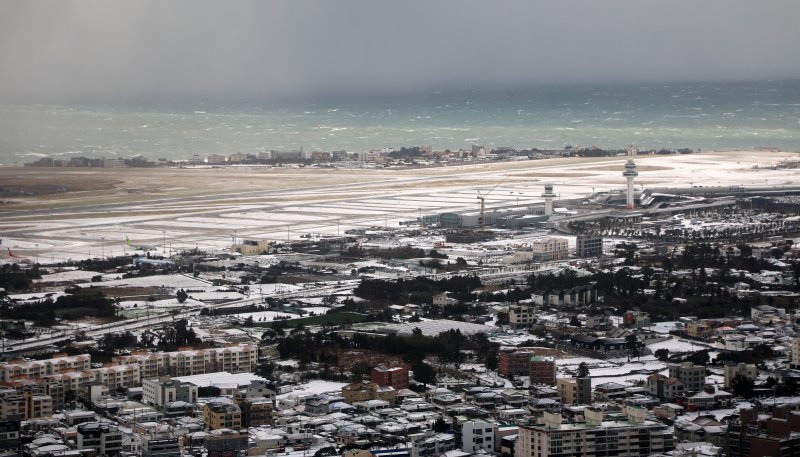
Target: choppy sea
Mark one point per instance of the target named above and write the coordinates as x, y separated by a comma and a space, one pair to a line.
671, 115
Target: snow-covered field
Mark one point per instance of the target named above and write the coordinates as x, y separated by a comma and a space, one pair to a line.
67, 276
620, 371
312, 388
675, 345
176, 281
269, 316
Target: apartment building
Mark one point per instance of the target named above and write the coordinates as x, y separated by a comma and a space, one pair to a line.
477, 436
73, 381
694, 377
151, 364
217, 415
40, 368
521, 316
575, 391
549, 249
589, 246
365, 391
513, 362
745, 370
758, 433
103, 437
665, 388
241, 358
12, 406
631, 436
543, 370
256, 411
37, 406
118, 376
396, 377
796, 353
159, 392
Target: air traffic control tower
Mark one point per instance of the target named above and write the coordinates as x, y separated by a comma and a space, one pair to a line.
630, 173
548, 196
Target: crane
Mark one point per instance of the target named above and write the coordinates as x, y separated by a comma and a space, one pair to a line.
482, 198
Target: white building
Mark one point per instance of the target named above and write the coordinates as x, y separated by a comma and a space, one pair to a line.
521, 316
158, 392
477, 436
548, 249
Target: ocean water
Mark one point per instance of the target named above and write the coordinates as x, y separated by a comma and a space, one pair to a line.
695, 115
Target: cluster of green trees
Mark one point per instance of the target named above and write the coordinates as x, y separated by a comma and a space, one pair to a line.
176, 335
13, 278
76, 304
111, 342
407, 153
450, 348
417, 290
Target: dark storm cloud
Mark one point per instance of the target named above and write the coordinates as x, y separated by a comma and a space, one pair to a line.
89, 49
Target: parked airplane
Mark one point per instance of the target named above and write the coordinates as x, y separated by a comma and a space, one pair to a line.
139, 247
11, 254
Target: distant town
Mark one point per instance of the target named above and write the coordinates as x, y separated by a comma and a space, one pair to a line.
386, 157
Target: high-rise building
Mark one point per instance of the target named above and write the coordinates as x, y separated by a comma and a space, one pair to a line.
589, 246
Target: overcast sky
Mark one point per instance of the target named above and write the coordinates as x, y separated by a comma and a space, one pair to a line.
87, 49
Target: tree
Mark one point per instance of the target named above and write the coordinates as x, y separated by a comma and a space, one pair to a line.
440, 426
360, 370
662, 354
632, 343
492, 359
423, 372
742, 386
583, 370
182, 296
325, 451
699, 357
